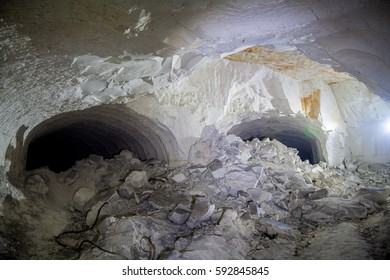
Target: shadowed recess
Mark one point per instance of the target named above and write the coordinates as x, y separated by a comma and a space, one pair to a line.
103, 130
294, 132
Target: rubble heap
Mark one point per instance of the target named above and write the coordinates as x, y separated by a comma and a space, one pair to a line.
232, 200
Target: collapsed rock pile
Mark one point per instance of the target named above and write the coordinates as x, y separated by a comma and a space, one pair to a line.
233, 200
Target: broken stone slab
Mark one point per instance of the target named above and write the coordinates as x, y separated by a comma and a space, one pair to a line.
319, 194
142, 196
364, 168
219, 173
201, 211
197, 169
81, 197
279, 145
272, 211
227, 216
282, 179
215, 165
179, 215
241, 180
167, 200
126, 190
182, 243
179, 178
350, 165
126, 154
137, 179
244, 155
378, 195
211, 190
209, 132
274, 228
330, 209
259, 170
259, 195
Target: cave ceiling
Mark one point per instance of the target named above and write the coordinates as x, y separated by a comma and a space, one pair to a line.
349, 36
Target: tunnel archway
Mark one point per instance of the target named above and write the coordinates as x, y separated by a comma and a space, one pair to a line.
102, 130
295, 132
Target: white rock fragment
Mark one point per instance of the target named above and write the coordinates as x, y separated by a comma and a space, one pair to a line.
81, 197
259, 195
200, 154
126, 154
241, 180
272, 227
179, 178
136, 179
126, 190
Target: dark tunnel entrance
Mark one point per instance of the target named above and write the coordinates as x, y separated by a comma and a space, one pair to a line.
103, 130
292, 132
60, 149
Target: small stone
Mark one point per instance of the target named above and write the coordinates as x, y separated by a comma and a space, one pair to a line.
254, 209
179, 215
329, 209
136, 179
179, 178
126, 191
37, 184
81, 197
363, 168
126, 154
350, 166
319, 194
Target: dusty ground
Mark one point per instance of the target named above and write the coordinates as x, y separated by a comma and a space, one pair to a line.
123, 208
